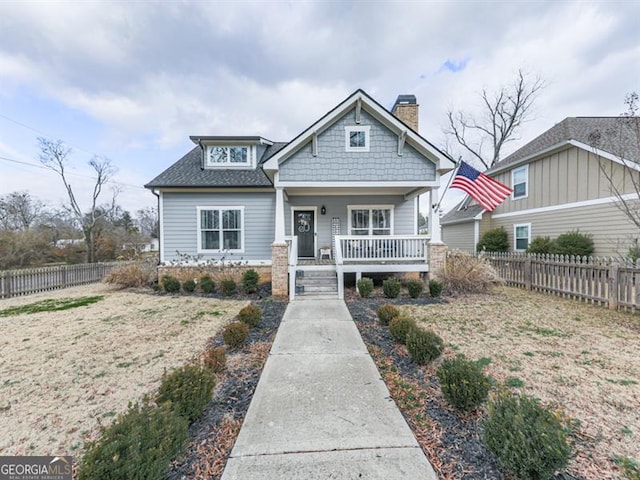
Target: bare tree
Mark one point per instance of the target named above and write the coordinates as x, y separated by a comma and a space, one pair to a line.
623, 176
19, 211
148, 221
503, 113
55, 155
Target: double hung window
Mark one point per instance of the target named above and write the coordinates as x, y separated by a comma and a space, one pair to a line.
220, 229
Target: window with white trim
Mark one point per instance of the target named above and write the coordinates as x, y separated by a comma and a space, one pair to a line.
229, 156
220, 229
520, 182
356, 138
375, 220
521, 237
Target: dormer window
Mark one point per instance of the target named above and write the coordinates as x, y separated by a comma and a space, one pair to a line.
356, 138
229, 156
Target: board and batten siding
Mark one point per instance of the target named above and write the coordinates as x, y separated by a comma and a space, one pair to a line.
334, 164
179, 217
611, 230
404, 214
459, 236
570, 175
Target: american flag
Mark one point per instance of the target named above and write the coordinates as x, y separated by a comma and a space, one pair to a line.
488, 192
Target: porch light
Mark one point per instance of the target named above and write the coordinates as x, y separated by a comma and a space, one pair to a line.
323, 210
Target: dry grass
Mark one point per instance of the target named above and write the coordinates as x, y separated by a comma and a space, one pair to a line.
580, 358
62, 372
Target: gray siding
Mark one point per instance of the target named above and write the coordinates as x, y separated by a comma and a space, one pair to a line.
334, 164
180, 222
611, 230
403, 214
459, 236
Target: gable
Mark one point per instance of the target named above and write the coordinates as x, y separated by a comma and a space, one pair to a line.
334, 163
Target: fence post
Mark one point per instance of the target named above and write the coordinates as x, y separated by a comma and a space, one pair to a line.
527, 273
614, 270
8, 280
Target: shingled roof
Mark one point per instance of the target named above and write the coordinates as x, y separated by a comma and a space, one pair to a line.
615, 135
188, 172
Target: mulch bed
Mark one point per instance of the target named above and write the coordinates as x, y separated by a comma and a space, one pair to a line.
214, 433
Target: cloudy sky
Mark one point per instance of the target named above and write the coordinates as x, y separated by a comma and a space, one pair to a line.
132, 80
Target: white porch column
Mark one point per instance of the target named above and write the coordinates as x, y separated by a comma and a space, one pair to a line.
279, 233
434, 218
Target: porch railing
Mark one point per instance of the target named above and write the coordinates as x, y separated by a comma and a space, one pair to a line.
381, 248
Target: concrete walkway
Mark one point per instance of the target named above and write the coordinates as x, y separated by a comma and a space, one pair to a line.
321, 410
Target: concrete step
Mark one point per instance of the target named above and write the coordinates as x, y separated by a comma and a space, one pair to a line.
317, 281
317, 274
320, 288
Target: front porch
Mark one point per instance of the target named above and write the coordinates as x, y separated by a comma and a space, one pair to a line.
355, 254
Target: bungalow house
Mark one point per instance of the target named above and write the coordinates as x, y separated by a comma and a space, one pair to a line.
571, 177
340, 197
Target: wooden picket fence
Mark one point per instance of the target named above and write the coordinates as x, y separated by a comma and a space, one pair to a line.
610, 282
33, 280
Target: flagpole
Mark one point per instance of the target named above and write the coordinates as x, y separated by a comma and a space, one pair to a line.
453, 174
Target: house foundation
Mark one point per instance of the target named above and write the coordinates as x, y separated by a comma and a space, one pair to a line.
279, 269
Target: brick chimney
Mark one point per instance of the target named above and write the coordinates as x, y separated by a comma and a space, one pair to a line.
406, 109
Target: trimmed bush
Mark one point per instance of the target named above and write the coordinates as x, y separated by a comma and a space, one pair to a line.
391, 288
251, 315
400, 326
170, 284
424, 345
540, 245
495, 240
206, 284
365, 287
435, 288
188, 389
573, 243
228, 286
528, 439
189, 285
139, 444
235, 334
250, 280
415, 288
215, 359
463, 384
386, 313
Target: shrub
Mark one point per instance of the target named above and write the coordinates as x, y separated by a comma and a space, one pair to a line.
634, 253
415, 288
250, 280
235, 334
134, 275
391, 288
170, 284
527, 438
463, 384
215, 359
139, 444
400, 326
365, 287
495, 240
386, 313
540, 245
424, 345
466, 273
188, 389
573, 243
435, 288
206, 284
251, 315
189, 285
228, 286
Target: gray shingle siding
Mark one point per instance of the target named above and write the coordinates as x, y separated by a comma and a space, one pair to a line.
334, 164
179, 218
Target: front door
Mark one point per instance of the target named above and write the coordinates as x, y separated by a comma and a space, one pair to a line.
305, 230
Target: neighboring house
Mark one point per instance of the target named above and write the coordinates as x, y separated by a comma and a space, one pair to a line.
342, 196
560, 185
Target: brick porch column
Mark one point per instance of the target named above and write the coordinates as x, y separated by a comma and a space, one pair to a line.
437, 258
279, 269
